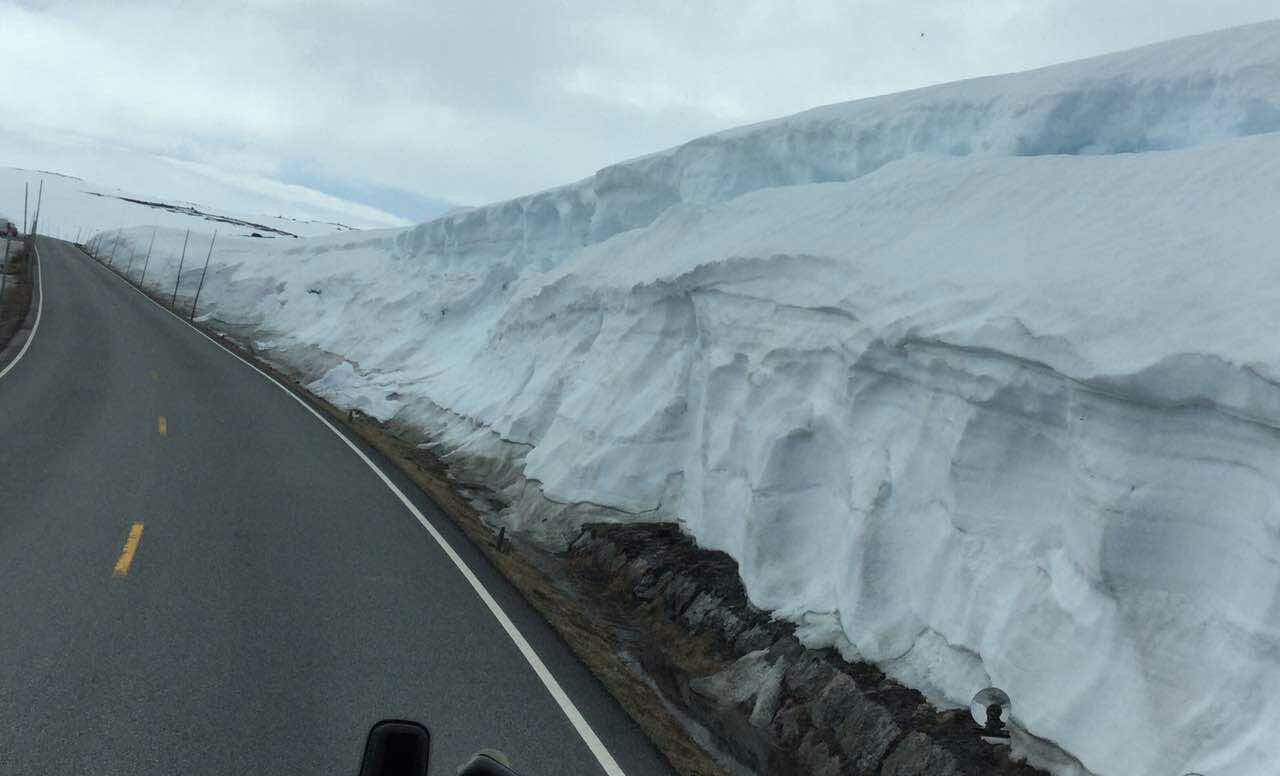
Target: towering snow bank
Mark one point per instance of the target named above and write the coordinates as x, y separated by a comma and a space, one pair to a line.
995, 415
1168, 95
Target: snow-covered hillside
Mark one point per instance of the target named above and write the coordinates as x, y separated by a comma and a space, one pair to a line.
72, 207
979, 381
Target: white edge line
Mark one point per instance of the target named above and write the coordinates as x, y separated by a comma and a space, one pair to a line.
39, 312
561, 698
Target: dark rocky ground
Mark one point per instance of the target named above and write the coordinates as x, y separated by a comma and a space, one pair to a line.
776, 706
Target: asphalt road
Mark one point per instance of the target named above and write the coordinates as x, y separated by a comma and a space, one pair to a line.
280, 598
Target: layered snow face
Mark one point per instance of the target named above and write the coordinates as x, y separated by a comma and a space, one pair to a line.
1169, 95
964, 389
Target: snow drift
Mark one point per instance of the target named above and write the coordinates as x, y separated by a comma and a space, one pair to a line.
979, 381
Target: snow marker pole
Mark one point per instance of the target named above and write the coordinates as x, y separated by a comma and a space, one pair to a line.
147, 263
202, 274
112, 257
133, 255
178, 279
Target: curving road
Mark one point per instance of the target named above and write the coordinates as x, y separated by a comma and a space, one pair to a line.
278, 597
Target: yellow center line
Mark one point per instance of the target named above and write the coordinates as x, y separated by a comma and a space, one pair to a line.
162, 426
130, 547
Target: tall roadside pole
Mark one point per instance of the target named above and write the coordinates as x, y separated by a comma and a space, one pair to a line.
202, 274
133, 255
173, 301
147, 263
35, 220
26, 194
111, 259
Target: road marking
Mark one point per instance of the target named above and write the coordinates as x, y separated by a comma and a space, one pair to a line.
562, 699
39, 312
130, 547
162, 426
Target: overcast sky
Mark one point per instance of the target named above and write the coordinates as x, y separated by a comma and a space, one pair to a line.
402, 105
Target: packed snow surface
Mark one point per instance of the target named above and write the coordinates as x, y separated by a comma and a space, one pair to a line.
980, 382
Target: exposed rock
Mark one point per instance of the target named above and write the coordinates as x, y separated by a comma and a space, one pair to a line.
808, 676
816, 756
698, 610
919, 755
753, 638
769, 696
863, 729
774, 705
789, 726
738, 683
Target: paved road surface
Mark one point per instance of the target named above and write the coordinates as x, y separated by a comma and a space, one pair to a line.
280, 598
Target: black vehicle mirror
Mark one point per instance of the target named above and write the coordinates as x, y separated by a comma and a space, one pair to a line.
487, 762
396, 747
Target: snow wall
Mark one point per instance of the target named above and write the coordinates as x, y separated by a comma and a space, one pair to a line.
980, 381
